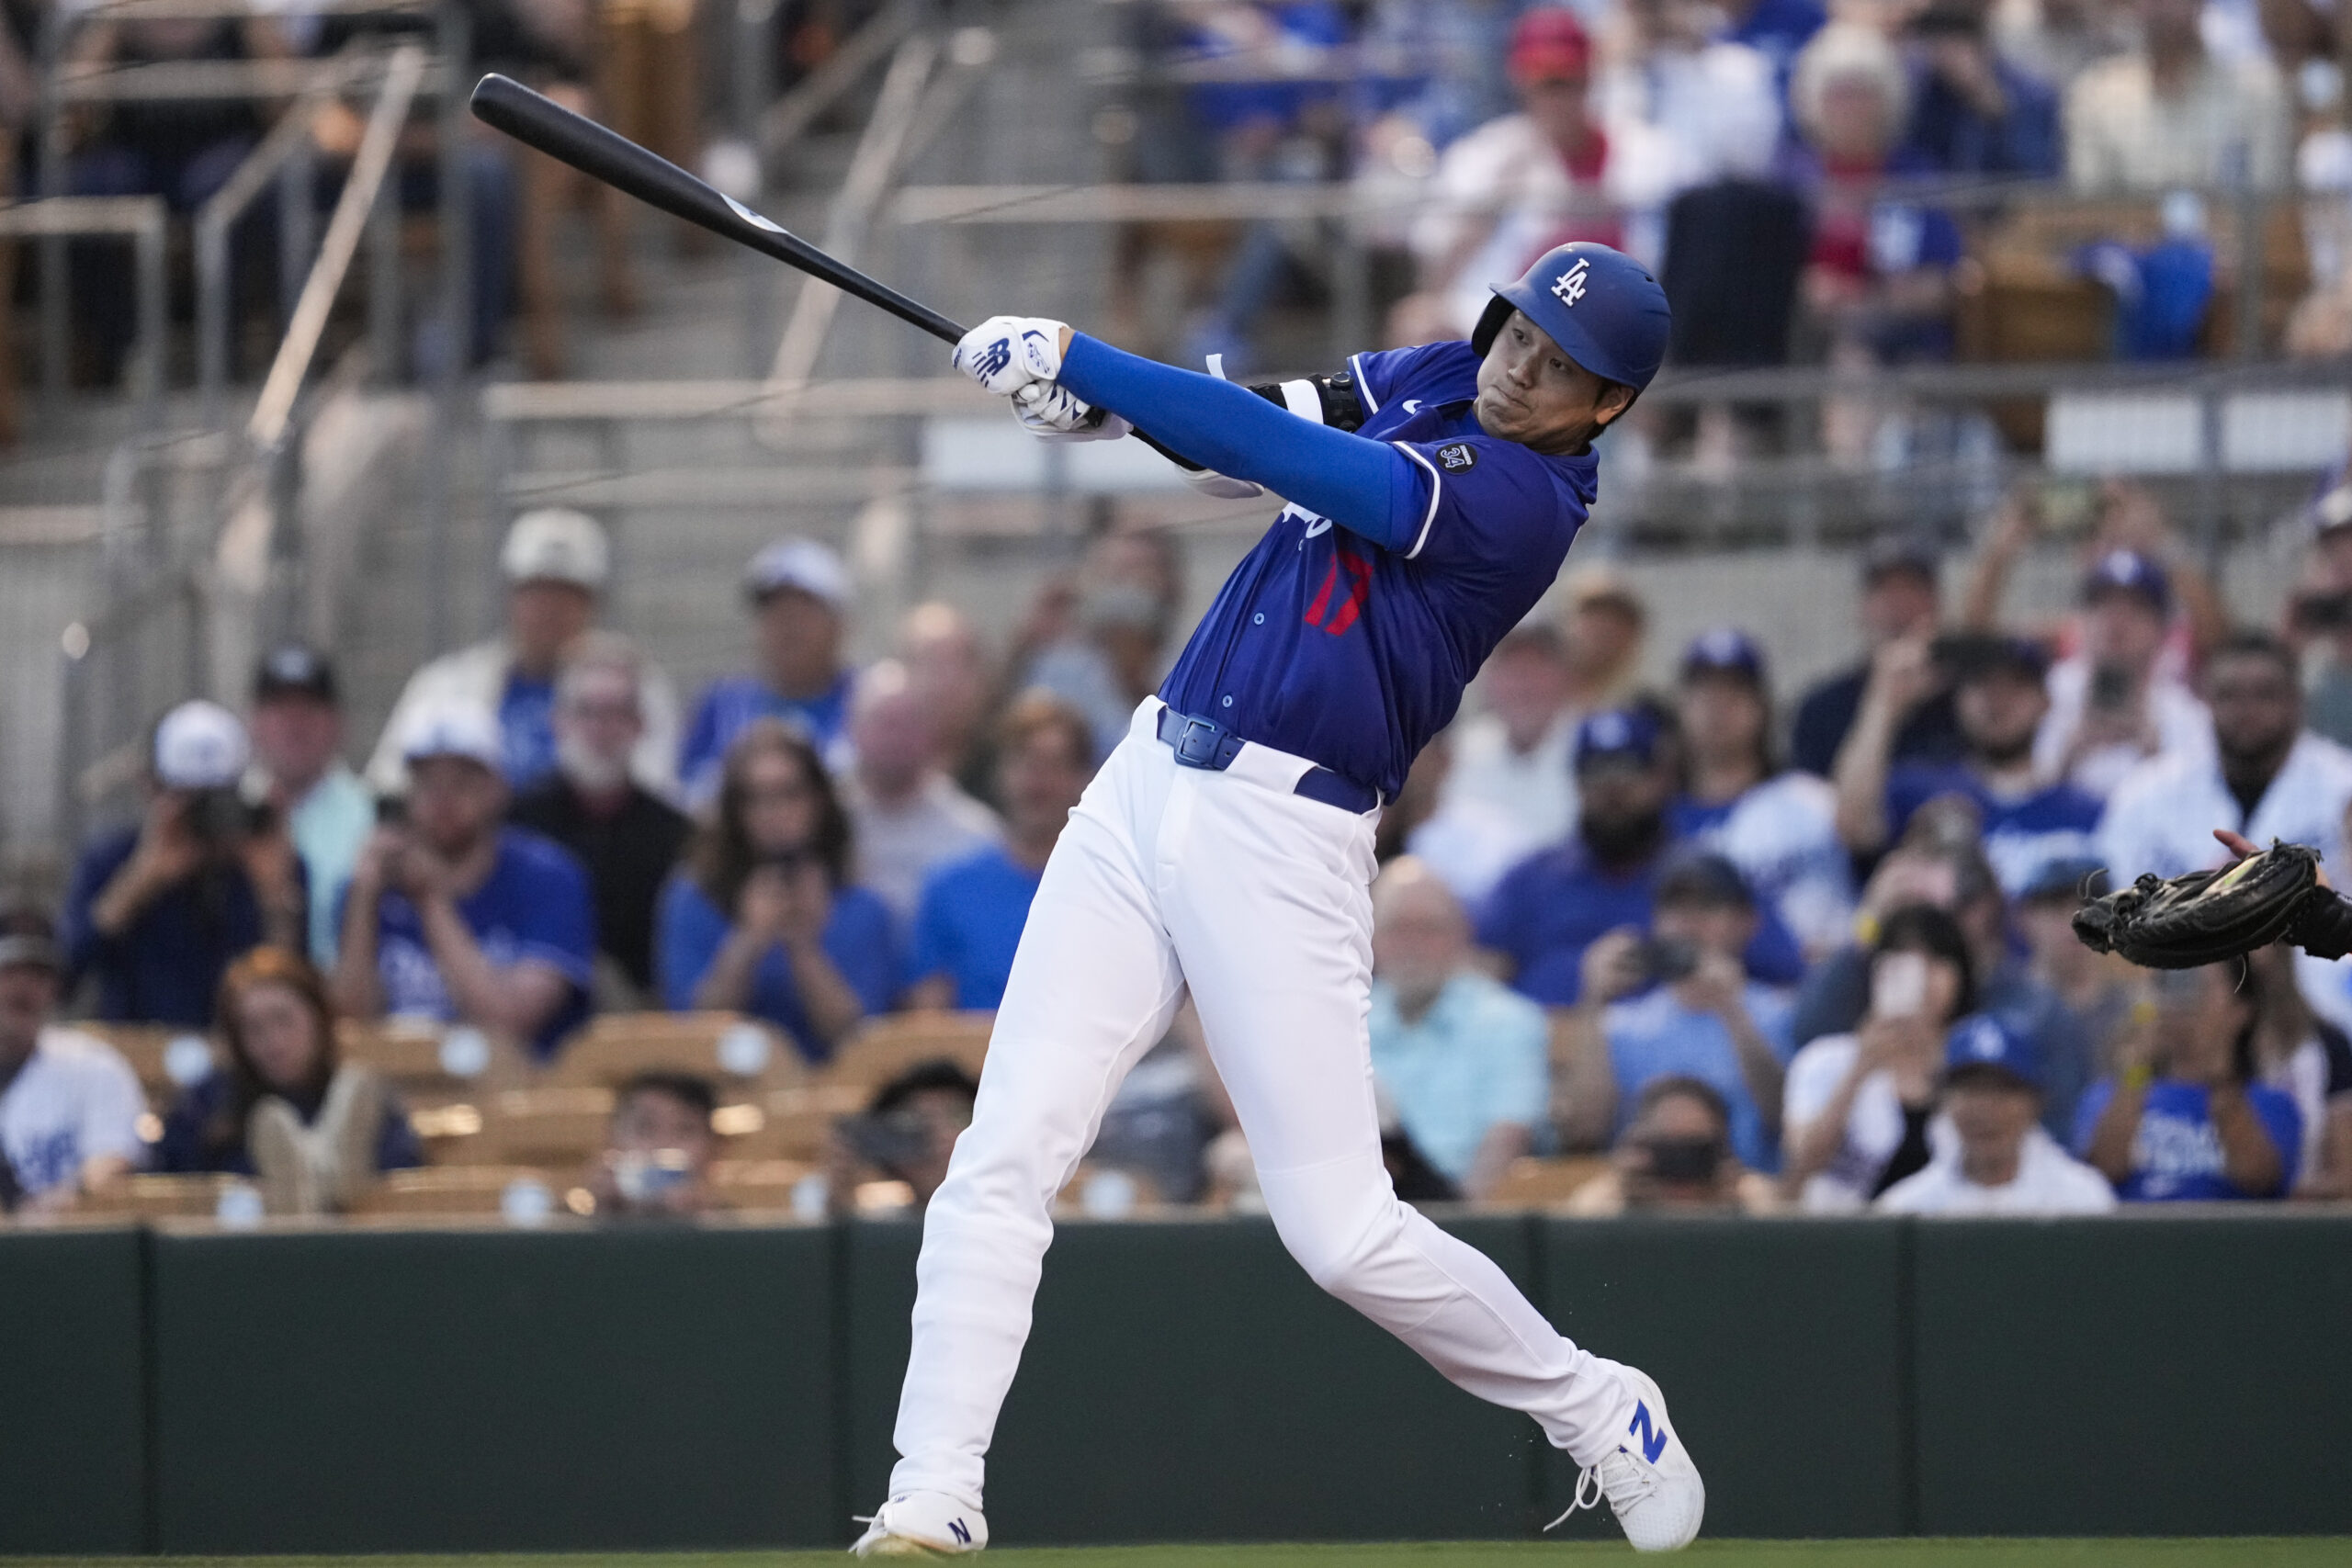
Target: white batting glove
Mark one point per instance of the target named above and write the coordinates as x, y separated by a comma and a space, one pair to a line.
1051, 411
1005, 353
1220, 487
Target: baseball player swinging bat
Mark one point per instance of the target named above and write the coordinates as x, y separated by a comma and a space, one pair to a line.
1226, 847
535, 120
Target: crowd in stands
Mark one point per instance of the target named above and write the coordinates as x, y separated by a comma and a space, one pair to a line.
1737, 954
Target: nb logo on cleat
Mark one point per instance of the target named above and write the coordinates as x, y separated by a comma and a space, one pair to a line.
1653, 1440
1571, 286
957, 1529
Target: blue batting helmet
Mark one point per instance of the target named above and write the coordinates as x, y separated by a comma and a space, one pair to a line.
1600, 306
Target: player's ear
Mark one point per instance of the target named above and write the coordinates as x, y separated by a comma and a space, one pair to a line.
1614, 400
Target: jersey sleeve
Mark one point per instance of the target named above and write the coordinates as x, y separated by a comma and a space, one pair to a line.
1439, 372
1482, 503
110, 1110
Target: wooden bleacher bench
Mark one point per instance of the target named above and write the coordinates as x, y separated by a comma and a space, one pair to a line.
889, 1045
758, 1185
161, 1197
459, 1191
733, 1052
167, 1058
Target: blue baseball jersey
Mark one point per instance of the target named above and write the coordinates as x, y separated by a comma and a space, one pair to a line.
1334, 648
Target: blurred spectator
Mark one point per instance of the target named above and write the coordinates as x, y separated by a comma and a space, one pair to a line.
1102, 645
1675, 1156
1852, 1098
1672, 1002
1514, 187
2309, 1061
1941, 863
180, 148
2182, 1118
973, 911
297, 723
904, 1138
1550, 906
1509, 787
2266, 774
658, 1149
69, 1105
1780, 829
2096, 990
952, 673
1683, 107
1775, 29
2167, 113
1879, 276
2319, 614
799, 594
2112, 706
2058, 39
1605, 623
1973, 112
156, 912
1462, 1058
625, 837
1998, 1160
454, 916
911, 818
2000, 700
316, 1130
762, 916
556, 563
1898, 603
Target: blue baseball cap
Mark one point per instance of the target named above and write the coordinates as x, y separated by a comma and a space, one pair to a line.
2128, 572
1727, 650
1982, 1041
1600, 306
1615, 735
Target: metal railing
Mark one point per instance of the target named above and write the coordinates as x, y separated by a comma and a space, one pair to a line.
142, 220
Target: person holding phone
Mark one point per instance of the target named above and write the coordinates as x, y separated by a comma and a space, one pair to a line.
1849, 1096
763, 918
1676, 1158
1676, 1002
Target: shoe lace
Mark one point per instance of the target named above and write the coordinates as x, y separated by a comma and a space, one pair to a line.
1617, 1477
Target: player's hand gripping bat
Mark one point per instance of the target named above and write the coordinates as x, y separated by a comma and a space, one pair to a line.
505, 104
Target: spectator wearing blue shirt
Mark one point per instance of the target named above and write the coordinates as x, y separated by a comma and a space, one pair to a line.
156, 912
315, 1129
968, 924
763, 918
1551, 906
2000, 700
1971, 111
555, 562
1461, 1059
799, 594
452, 914
2183, 1120
1673, 1002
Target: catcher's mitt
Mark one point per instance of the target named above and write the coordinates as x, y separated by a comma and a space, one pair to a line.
2206, 916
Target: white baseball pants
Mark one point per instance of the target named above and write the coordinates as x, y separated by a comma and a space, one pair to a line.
1259, 899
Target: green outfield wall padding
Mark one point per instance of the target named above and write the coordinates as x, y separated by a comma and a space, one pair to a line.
639, 1387
2140, 1376
1779, 1344
73, 1392
1184, 1380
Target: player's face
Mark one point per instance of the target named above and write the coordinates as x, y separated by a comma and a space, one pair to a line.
1531, 392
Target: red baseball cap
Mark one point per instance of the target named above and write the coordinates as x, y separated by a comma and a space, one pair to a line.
1550, 45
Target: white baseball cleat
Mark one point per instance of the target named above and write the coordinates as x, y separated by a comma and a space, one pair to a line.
1650, 1480
921, 1524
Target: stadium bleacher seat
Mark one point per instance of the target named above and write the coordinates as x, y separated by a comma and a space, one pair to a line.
732, 1051
1531, 1183
457, 1192
888, 1046
162, 1196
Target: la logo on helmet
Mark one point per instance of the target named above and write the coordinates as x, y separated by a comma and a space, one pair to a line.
1570, 288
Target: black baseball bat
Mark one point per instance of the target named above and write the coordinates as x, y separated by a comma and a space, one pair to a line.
537, 120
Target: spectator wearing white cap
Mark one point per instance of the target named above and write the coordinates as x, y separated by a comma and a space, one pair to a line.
157, 912
69, 1105
799, 594
297, 723
557, 564
454, 916
911, 817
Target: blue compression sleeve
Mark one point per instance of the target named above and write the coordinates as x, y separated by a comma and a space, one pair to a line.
1367, 487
